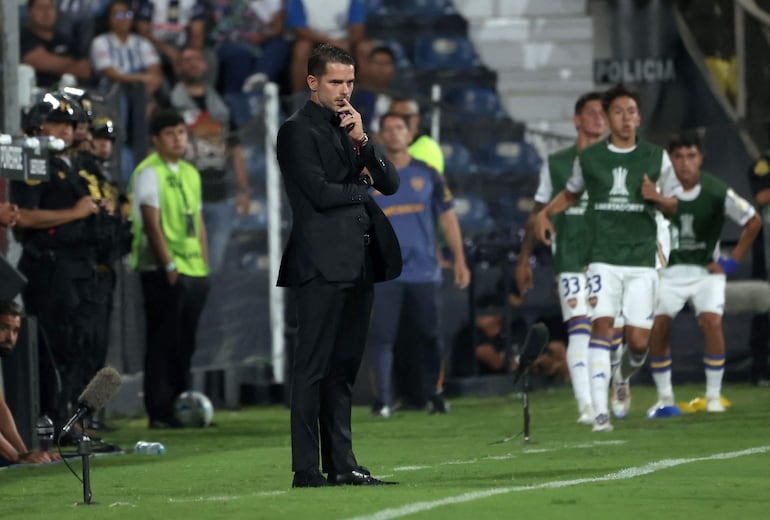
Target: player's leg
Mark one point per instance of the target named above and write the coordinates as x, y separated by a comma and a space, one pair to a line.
673, 293
709, 304
604, 298
639, 289
572, 296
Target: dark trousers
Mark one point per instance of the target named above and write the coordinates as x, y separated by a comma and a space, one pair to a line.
422, 302
172, 314
60, 293
332, 325
101, 315
759, 342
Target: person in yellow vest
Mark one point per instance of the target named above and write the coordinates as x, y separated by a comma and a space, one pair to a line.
422, 147
169, 251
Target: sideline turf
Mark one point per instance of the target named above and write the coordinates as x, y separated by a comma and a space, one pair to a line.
240, 469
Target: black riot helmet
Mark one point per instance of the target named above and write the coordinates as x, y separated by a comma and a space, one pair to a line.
103, 128
84, 100
53, 108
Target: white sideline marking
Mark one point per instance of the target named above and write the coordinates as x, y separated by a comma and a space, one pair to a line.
627, 473
225, 498
511, 456
116, 504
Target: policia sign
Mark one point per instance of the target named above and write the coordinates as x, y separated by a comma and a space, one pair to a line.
22, 163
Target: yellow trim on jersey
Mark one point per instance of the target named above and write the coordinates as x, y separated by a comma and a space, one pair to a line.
404, 209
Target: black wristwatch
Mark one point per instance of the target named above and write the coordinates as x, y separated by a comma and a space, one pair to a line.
365, 180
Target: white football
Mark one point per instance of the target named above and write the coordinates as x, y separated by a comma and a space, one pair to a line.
193, 409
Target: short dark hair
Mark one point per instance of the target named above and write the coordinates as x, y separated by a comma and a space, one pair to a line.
163, 118
10, 308
397, 115
684, 140
327, 53
382, 48
583, 100
617, 91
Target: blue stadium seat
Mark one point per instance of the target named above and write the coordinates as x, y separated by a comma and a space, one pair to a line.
444, 52
509, 158
375, 7
410, 7
473, 214
514, 209
474, 102
457, 159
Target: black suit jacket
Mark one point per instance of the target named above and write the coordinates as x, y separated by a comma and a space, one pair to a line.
331, 209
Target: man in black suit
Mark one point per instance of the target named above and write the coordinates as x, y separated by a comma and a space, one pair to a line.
340, 244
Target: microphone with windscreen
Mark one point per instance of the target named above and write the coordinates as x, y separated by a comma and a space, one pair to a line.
99, 391
536, 340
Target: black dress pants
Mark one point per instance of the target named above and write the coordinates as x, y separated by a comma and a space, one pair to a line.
333, 321
172, 314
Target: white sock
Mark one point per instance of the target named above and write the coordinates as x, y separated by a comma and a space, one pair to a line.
577, 361
599, 370
661, 374
616, 350
715, 369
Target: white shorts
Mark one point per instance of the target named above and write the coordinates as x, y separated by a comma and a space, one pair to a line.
616, 289
705, 291
572, 295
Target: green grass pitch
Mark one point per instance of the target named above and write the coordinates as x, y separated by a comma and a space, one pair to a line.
695, 467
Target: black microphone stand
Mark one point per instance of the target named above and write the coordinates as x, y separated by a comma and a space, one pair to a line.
525, 405
84, 450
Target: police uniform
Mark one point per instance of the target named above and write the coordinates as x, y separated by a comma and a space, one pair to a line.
59, 265
759, 336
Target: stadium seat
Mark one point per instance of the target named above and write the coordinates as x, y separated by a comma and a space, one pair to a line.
457, 159
473, 214
514, 209
412, 7
444, 52
509, 158
474, 102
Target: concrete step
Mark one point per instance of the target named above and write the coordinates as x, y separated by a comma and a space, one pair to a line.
570, 81
499, 8
563, 29
539, 106
502, 56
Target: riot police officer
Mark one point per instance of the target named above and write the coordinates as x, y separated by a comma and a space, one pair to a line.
58, 259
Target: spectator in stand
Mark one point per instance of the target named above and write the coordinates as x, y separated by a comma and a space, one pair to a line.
372, 95
250, 42
212, 144
423, 146
172, 25
119, 56
49, 52
12, 447
79, 17
337, 22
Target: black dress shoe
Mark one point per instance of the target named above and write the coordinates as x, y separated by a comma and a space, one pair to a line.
359, 476
304, 479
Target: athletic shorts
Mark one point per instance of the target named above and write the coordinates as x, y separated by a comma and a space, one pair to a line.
616, 289
572, 295
706, 292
